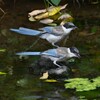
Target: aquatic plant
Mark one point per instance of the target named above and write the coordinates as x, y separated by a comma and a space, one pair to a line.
2, 50
2, 73
96, 81
82, 84
55, 2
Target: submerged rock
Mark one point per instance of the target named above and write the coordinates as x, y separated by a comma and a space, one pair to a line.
46, 65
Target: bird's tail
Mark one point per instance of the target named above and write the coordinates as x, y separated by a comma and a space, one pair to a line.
26, 31
28, 53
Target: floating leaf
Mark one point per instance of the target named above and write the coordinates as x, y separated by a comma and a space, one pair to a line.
32, 19
2, 50
51, 80
45, 75
46, 21
52, 24
44, 13
36, 12
3, 73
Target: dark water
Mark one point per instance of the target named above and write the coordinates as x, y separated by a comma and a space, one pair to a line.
18, 83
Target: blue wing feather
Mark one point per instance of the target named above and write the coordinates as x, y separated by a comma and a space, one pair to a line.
47, 29
28, 53
51, 52
26, 31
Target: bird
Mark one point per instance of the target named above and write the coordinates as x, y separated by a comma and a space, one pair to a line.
50, 33
56, 54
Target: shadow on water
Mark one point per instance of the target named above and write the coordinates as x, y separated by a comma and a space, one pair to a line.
18, 83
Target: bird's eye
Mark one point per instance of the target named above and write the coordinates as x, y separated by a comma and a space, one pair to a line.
74, 50
69, 26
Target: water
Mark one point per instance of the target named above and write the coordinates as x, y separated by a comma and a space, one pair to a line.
19, 84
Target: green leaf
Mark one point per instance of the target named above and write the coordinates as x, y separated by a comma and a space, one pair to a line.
2, 73
55, 2
82, 84
2, 50
50, 80
93, 30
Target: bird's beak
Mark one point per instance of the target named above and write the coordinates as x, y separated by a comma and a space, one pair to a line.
78, 55
75, 27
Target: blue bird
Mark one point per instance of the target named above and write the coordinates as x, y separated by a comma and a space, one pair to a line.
55, 55
51, 34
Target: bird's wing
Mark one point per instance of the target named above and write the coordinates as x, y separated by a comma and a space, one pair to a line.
51, 52
28, 53
58, 30
47, 29
26, 31
53, 30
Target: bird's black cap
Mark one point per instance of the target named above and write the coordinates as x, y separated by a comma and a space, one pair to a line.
75, 51
69, 25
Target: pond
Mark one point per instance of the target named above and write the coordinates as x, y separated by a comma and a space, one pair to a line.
18, 82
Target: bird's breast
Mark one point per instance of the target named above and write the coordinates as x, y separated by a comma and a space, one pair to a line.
50, 57
53, 38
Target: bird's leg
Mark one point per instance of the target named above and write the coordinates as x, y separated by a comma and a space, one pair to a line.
55, 62
65, 40
55, 45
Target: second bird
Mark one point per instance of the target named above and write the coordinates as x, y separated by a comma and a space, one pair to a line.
51, 34
55, 55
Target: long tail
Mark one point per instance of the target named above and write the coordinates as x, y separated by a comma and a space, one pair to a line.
35, 53
28, 53
26, 31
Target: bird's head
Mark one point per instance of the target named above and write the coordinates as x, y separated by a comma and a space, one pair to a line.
74, 52
69, 25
